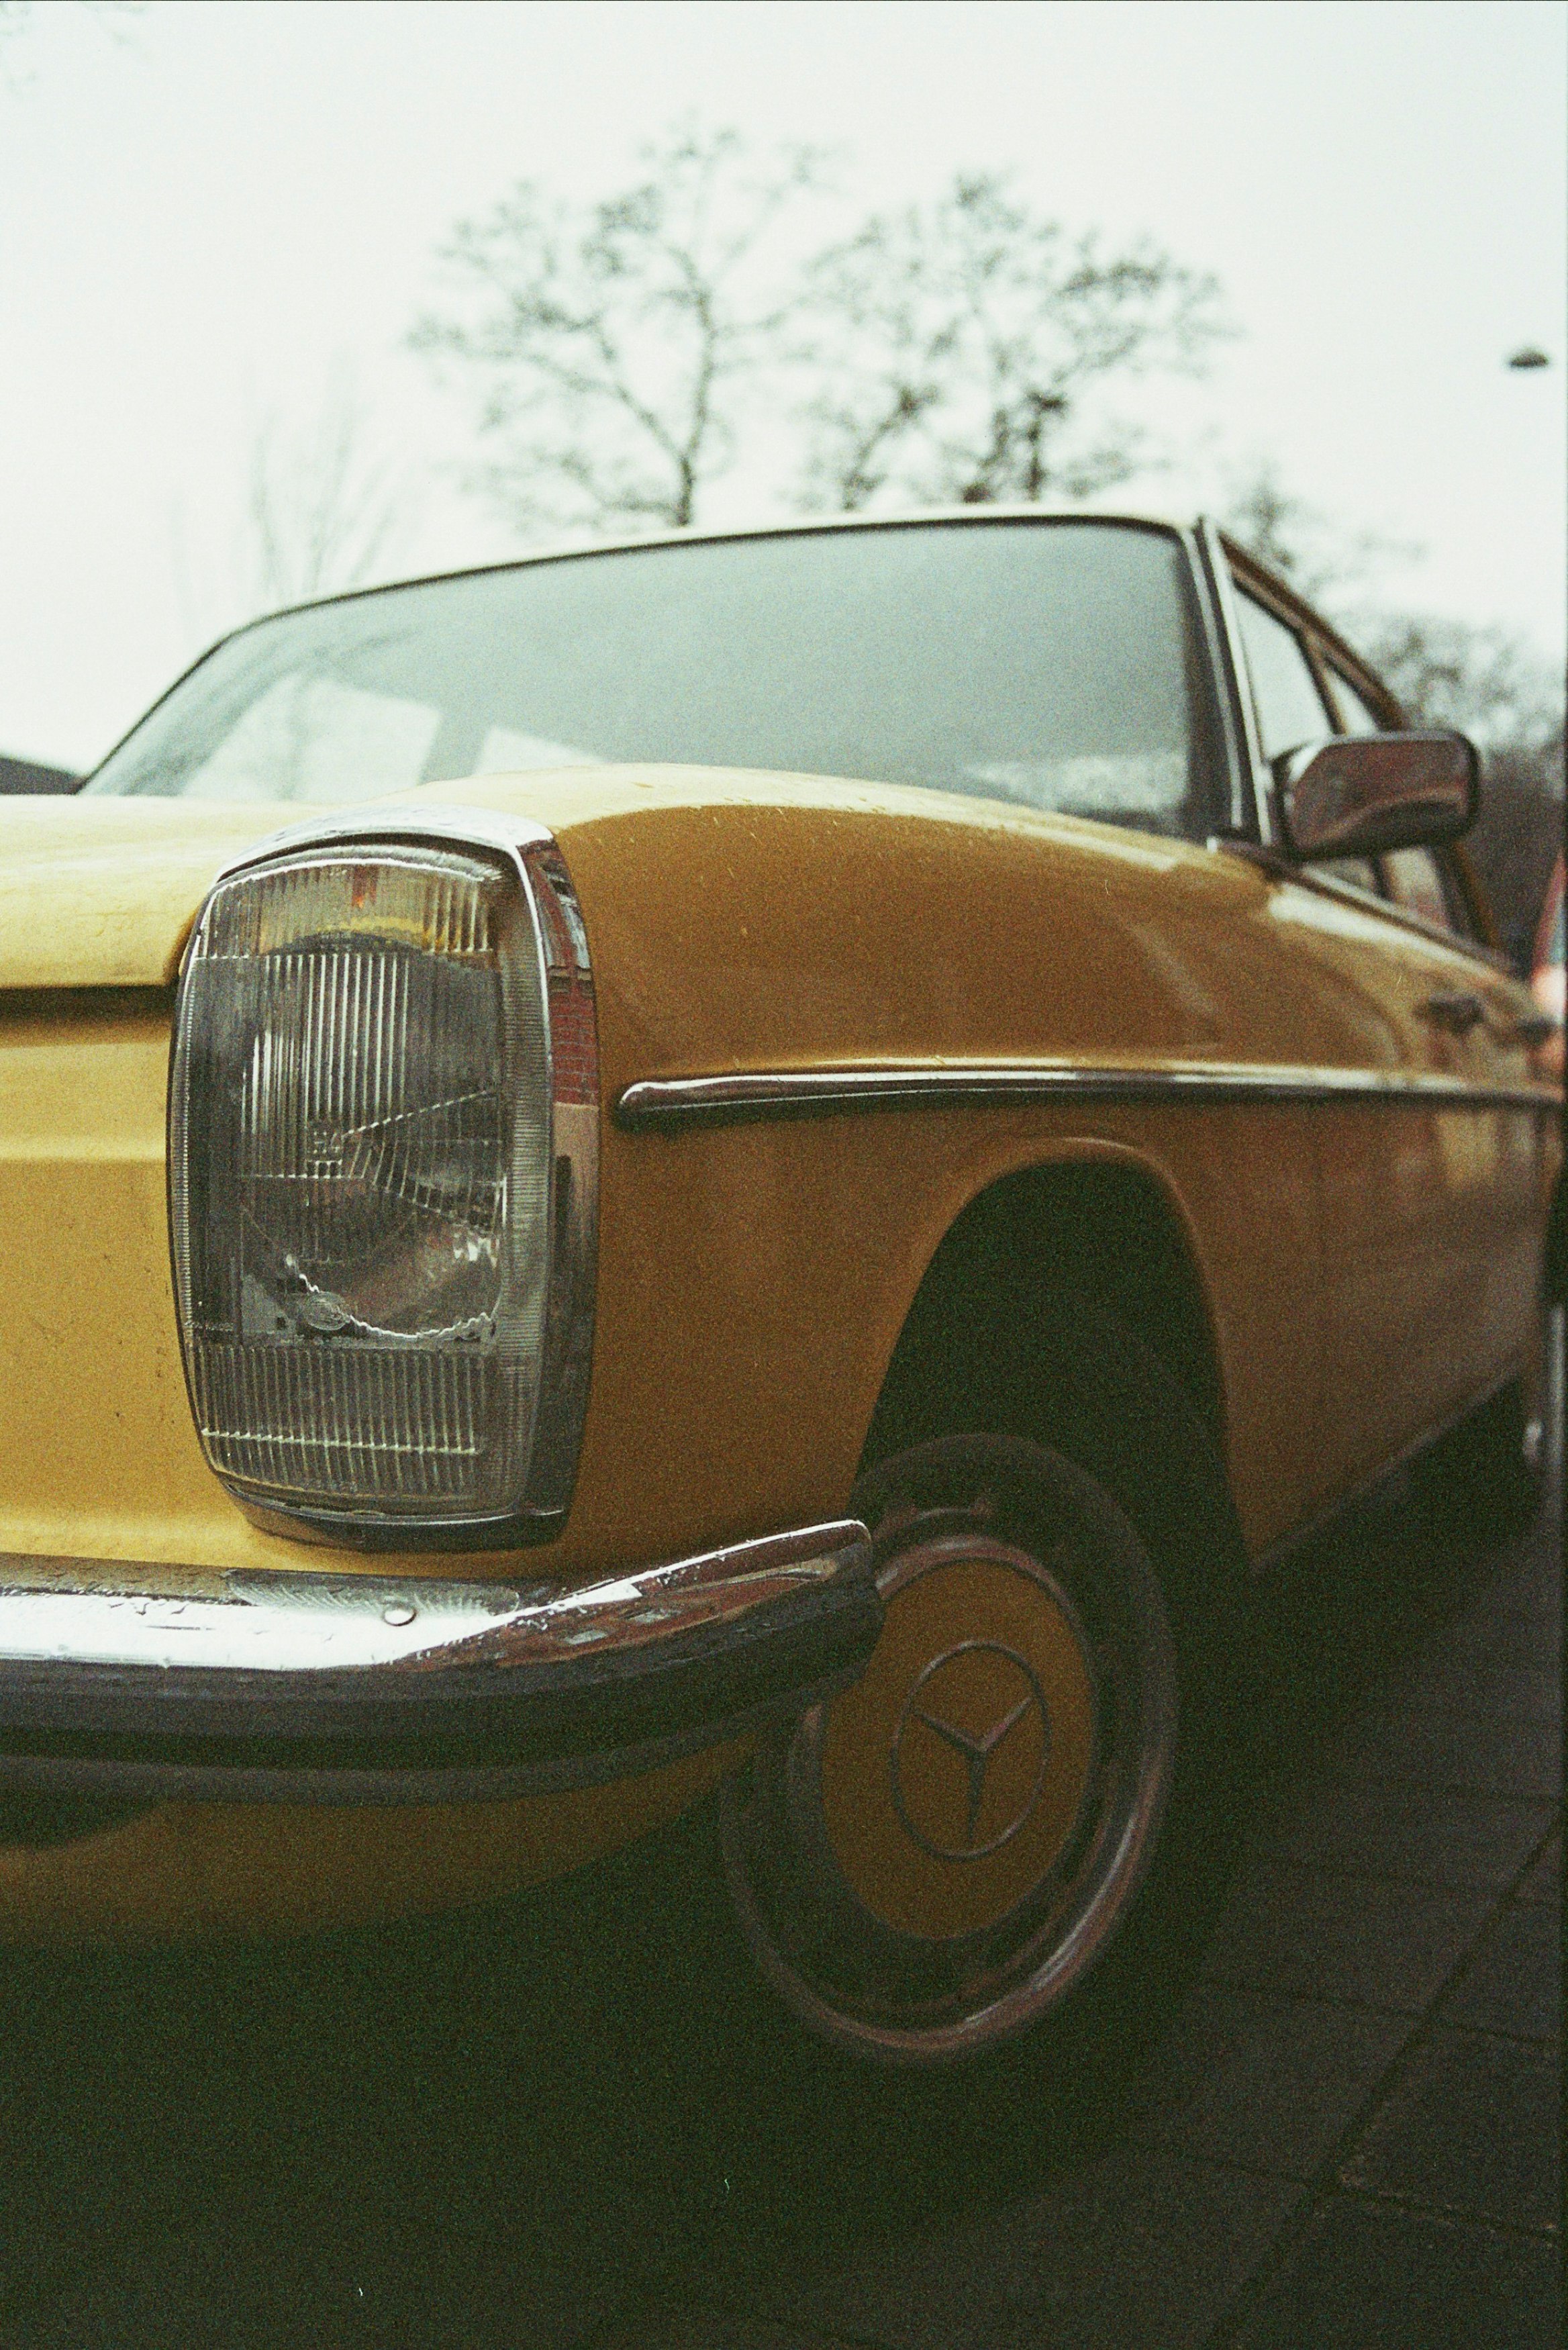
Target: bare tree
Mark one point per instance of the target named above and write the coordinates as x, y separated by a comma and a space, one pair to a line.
1332, 567
616, 343
321, 512
1480, 679
964, 346
17, 14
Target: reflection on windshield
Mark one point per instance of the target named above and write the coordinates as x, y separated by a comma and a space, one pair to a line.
1149, 781
1041, 663
304, 730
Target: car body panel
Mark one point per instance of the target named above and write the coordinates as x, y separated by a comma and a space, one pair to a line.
183, 1869
707, 964
1366, 1264
100, 892
1427, 1230
739, 921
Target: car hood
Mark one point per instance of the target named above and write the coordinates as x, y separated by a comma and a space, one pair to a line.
101, 892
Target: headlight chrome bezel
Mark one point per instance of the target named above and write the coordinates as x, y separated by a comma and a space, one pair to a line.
535, 870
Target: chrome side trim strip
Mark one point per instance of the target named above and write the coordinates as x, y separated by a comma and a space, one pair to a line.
792, 1093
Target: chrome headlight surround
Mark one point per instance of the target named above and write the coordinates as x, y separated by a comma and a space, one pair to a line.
553, 1061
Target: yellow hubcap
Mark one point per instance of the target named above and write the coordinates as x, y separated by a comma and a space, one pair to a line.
954, 1773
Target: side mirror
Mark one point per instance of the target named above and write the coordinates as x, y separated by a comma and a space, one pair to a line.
1357, 794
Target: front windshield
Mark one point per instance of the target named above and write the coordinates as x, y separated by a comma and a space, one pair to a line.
1042, 663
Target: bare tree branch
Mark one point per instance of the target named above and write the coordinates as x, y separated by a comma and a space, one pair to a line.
614, 346
16, 16
964, 341
324, 513
320, 514
1332, 567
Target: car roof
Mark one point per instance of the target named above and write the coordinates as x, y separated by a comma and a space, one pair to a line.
795, 526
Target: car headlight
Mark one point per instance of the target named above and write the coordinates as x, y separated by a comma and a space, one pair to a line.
383, 1132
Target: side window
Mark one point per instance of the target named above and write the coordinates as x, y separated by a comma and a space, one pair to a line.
1285, 691
1354, 715
1359, 871
1414, 879
1290, 711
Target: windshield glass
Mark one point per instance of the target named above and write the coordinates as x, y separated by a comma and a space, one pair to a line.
1042, 663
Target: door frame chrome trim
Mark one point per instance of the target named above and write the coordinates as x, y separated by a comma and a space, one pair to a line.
1258, 781
1210, 580
662, 1102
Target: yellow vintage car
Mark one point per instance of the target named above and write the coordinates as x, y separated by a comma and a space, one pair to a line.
779, 1164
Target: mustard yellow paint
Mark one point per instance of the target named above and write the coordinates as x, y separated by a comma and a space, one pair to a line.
100, 892
1363, 1267
900, 1877
196, 1869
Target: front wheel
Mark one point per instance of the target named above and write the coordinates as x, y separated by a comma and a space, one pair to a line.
1007, 1836
936, 1861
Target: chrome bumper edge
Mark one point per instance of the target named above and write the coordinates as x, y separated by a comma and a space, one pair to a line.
304, 1688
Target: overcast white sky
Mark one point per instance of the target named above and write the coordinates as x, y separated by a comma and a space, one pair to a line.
209, 211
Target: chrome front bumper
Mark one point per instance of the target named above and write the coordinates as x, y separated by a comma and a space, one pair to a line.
372, 1689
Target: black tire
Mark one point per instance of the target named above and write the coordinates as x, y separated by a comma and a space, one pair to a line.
1070, 1480
1483, 1481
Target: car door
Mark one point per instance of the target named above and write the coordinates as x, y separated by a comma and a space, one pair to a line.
1483, 1010
1483, 1006
1405, 1177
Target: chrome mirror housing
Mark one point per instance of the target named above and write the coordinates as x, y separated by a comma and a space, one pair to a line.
1358, 794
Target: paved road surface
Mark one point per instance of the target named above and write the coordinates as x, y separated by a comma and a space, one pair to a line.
541, 2126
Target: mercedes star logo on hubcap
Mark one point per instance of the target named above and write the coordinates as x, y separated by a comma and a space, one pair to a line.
978, 1752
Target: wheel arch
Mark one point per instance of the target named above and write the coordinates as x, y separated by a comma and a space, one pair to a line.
1098, 1220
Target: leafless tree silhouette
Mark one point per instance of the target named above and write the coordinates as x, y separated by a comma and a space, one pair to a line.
616, 344
321, 512
16, 16
963, 348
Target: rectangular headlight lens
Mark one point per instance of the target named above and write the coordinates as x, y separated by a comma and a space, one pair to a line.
360, 1181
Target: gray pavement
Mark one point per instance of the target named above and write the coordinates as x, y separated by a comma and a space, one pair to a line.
1349, 2137
570, 2124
